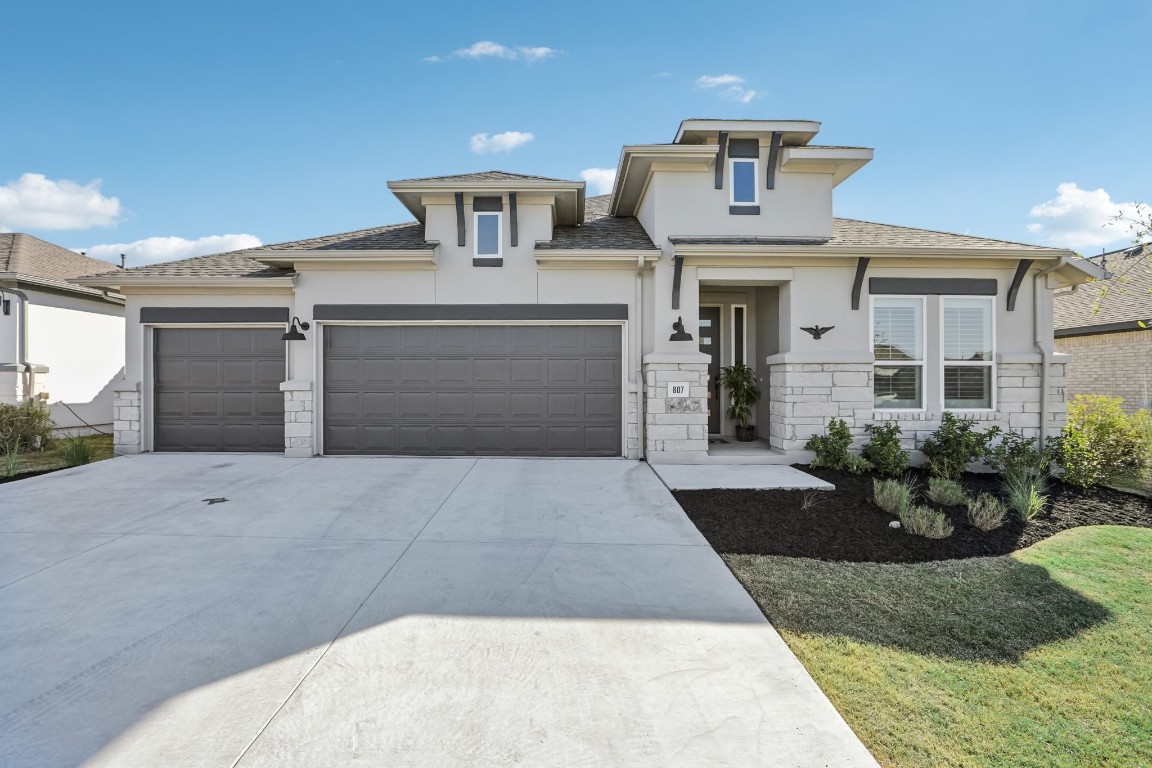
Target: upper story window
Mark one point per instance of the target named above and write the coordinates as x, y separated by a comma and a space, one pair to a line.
745, 191
488, 235
898, 346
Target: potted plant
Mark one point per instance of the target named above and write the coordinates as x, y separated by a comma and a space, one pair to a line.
743, 393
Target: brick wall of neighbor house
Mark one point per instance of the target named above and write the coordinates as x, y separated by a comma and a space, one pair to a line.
675, 429
802, 403
1113, 364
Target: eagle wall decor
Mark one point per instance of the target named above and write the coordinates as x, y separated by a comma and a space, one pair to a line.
816, 331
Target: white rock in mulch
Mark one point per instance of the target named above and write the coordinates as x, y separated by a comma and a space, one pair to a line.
894, 524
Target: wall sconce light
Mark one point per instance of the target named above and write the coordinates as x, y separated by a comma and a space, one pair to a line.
7, 303
295, 335
679, 334
816, 331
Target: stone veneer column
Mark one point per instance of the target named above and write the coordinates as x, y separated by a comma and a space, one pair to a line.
802, 397
298, 420
126, 418
675, 429
632, 422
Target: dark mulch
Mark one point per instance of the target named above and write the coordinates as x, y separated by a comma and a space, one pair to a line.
26, 475
844, 525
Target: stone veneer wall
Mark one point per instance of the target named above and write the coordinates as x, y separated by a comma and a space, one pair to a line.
298, 419
675, 429
632, 423
804, 396
126, 427
1113, 364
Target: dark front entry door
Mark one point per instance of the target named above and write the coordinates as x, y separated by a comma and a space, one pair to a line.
710, 345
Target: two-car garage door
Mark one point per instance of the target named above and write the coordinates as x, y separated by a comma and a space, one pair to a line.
530, 390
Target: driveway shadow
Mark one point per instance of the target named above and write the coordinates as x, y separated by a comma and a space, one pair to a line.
981, 609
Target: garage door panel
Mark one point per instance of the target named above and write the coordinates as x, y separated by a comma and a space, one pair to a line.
218, 389
488, 390
601, 441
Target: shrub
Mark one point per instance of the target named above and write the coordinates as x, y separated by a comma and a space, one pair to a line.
947, 493
987, 512
955, 445
1024, 498
1100, 442
927, 522
884, 451
1024, 472
76, 451
25, 427
893, 496
832, 449
11, 463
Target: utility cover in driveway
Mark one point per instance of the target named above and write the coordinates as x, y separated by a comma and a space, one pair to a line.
529, 390
218, 389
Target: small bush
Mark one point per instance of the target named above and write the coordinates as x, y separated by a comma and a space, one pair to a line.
25, 427
924, 521
884, 451
946, 493
893, 496
1100, 442
1025, 500
955, 445
11, 463
76, 451
832, 449
987, 512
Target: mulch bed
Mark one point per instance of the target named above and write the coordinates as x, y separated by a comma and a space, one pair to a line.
844, 525
26, 475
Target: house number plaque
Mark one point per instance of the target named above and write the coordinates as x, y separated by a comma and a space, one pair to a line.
677, 389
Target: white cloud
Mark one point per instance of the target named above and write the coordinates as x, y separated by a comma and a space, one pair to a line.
482, 143
155, 249
487, 49
36, 202
601, 179
1081, 218
729, 86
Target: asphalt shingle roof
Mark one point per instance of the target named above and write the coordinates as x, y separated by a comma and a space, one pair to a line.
486, 176
1127, 298
32, 257
599, 230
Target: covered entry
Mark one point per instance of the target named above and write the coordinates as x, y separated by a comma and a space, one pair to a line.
462, 389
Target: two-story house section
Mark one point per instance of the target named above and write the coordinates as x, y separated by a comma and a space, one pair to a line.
516, 316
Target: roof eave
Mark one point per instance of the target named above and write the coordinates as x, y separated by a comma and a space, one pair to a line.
287, 258
871, 251
61, 284
188, 281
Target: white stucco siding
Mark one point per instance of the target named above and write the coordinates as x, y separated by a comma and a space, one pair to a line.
82, 343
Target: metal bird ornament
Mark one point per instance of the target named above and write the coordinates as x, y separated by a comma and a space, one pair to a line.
816, 331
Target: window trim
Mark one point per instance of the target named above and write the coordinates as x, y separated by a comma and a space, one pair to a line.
499, 235
990, 364
755, 181
922, 363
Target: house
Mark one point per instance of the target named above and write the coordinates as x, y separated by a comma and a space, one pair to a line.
1110, 351
60, 342
515, 316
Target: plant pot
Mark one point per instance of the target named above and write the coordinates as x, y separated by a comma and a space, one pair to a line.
745, 434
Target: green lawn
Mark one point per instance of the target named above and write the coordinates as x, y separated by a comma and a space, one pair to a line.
38, 461
1040, 658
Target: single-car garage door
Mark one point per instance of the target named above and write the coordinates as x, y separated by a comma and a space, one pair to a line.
523, 390
218, 389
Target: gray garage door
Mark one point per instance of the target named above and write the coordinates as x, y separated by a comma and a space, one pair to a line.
472, 390
218, 389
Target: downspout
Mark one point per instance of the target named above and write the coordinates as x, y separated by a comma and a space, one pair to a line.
22, 340
1043, 346
641, 387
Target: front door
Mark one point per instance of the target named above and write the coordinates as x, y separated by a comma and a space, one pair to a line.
710, 345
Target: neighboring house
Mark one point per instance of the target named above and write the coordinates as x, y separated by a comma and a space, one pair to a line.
60, 342
1111, 353
516, 317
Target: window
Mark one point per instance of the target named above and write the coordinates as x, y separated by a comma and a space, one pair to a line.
966, 331
488, 235
898, 346
744, 189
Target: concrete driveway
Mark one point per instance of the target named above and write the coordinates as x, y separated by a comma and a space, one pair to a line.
384, 612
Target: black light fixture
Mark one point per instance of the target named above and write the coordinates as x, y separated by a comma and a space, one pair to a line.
679, 334
295, 335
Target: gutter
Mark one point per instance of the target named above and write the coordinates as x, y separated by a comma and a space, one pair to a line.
1042, 346
22, 365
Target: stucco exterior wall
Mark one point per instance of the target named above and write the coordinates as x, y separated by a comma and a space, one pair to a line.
1112, 364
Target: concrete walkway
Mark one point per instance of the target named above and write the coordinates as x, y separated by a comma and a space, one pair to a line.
399, 612
692, 477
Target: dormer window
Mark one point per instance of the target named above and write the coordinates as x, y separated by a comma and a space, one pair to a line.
487, 217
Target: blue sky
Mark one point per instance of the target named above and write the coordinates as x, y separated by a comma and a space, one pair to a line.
159, 128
